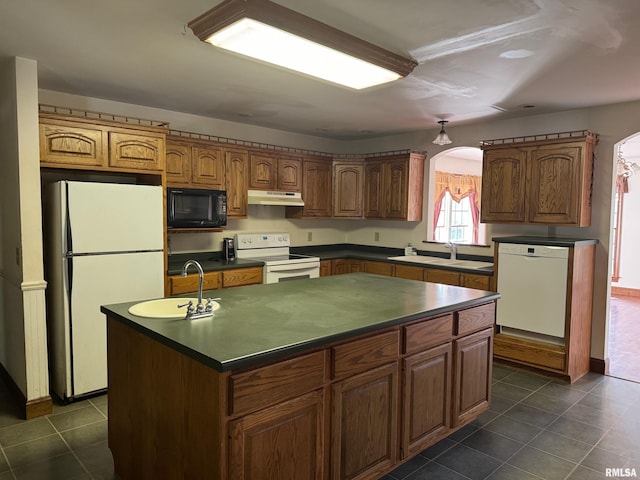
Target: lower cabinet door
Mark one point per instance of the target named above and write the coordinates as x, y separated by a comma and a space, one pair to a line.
472, 363
280, 442
364, 433
427, 393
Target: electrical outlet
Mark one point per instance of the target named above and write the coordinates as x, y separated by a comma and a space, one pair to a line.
376, 236
309, 236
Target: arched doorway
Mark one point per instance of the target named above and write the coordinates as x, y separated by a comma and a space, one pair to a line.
452, 174
624, 303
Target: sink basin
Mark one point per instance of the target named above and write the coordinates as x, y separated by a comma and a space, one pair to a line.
423, 259
164, 308
420, 259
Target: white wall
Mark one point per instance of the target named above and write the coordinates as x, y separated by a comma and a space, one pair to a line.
23, 351
612, 122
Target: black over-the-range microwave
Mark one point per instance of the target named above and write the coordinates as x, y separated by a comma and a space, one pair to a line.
196, 208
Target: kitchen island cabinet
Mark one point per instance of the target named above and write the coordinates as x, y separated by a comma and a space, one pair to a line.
292, 380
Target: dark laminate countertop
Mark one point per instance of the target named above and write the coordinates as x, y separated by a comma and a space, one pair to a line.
260, 323
381, 254
550, 241
210, 261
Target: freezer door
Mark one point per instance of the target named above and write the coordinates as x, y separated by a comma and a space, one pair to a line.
106, 217
100, 280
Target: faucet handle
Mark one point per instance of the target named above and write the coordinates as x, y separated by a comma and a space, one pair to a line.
190, 307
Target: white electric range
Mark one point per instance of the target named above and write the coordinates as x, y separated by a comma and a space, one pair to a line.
273, 249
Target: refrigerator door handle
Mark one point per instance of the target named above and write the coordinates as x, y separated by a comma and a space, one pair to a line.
69, 277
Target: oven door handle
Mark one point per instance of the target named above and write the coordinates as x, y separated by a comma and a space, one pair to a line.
293, 268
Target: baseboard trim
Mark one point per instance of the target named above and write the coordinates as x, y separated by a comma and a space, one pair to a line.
625, 292
599, 366
29, 408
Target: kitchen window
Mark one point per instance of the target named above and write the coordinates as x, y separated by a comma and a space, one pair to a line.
455, 222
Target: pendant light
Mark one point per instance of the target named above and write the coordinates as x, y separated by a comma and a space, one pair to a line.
442, 138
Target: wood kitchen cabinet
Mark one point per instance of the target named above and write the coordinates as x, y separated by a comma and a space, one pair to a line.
236, 165
214, 280
348, 189
275, 172
341, 266
195, 164
101, 145
472, 360
258, 438
316, 190
472, 377
393, 186
546, 182
364, 407
427, 382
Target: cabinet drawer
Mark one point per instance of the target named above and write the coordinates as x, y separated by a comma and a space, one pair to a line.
189, 284
360, 355
427, 334
243, 276
473, 319
274, 383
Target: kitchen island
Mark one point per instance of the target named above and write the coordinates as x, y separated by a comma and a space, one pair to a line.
335, 377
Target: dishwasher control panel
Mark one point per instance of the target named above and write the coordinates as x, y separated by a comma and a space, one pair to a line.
548, 251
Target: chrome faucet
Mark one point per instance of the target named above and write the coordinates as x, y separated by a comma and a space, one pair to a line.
199, 311
454, 249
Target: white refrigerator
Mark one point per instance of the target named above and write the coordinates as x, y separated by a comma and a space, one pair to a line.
103, 245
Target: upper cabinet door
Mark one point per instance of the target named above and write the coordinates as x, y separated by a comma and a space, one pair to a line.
73, 145
316, 191
289, 174
373, 190
178, 164
504, 173
397, 188
556, 178
236, 174
136, 151
347, 190
208, 167
262, 174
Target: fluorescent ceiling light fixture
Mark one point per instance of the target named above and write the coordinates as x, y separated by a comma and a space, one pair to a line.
269, 32
442, 138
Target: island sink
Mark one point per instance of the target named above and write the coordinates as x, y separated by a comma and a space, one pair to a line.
165, 308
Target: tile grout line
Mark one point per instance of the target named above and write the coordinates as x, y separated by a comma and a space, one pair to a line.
69, 447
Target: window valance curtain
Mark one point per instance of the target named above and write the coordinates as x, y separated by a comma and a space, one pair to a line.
459, 186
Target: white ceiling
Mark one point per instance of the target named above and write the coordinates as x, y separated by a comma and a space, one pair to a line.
581, 53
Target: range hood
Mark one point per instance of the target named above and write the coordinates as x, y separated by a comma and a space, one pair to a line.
267, 197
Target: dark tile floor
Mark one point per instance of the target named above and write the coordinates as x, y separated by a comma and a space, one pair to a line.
537, 428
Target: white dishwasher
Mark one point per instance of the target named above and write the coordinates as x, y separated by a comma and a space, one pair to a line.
532, 282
